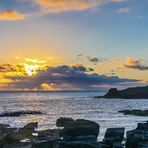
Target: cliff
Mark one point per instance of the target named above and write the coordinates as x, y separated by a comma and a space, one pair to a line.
129, 93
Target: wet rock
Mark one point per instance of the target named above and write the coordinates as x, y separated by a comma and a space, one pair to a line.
19, 113
138, 136
49, 133
4, 126
135, 112
116, 133
10, 139
62, 121
117, 145
6, 131
26, 131
143, 145
79, 134
40, 144
89, 138
142, 126
17, 146
113, 137
80, 127
50, 142
76, 144
31, 125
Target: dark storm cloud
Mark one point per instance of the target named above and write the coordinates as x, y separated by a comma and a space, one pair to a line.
66, 77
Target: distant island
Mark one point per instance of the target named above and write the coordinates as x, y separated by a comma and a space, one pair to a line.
129, 93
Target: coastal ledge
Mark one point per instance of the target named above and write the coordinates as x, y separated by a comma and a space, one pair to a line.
129, 93
78, 133
136, 112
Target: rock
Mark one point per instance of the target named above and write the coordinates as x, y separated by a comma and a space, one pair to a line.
142, 126
6, 131
17, 146
116, 133
10, 139
40, 144
80, 134
80, 127
49, 132
113, 137
117, 145
79, 145
48, 143
26, 131
19, 113
143, 145
129, 93
138, 136
31, 125
4, 126
13, 135
62, 121
135, 112
88, 138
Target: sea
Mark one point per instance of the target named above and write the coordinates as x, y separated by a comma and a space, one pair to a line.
73, 104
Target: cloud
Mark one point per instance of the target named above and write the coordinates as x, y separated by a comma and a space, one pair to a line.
11, 68
10, 15
135, 64
94, 60
52, 6
123, 10
65, 77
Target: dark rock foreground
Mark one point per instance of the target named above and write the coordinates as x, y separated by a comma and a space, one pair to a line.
129, 93
78, 133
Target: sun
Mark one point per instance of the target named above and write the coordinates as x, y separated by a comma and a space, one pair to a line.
31, 69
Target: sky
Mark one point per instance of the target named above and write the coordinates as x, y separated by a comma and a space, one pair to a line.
73, 44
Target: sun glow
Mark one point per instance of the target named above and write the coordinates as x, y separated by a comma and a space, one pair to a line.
31, 69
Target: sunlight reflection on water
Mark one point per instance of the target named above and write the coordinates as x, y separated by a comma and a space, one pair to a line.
70, 104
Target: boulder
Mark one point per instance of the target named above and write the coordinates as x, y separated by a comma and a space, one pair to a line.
138, 137
62, 121
116, 133
113, 137
76, 144
26, 131
79, 134
80, 127
142, 126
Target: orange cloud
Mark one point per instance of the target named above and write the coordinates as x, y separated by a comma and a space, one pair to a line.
135, 64
10, 15
71, 5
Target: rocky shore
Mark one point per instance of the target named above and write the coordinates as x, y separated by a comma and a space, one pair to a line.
78, 133
129, 93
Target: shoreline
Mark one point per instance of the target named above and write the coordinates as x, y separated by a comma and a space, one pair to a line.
71, 133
